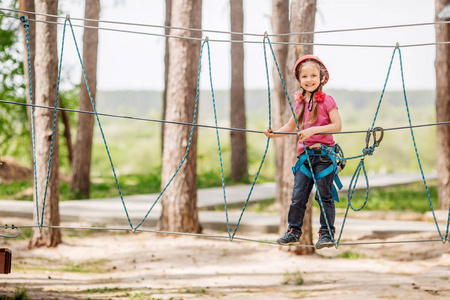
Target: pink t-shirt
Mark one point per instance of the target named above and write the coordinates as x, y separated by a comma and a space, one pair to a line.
323, 118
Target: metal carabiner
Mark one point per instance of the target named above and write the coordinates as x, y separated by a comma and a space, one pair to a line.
376, 142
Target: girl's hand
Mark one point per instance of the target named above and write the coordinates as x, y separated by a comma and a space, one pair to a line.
268, 133
305, 134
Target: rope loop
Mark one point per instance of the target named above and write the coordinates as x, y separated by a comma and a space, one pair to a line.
24, 20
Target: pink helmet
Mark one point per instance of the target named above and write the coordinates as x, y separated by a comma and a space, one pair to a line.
314, 58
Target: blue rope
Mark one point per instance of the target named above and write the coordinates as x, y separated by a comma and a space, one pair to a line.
368, 150
26, 25
298, 128
98, 121
444, 238
189, 142
232, 235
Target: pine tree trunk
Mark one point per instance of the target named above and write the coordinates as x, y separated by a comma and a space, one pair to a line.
280, 24
81, 165
443, 108
46, 65
28, 5
166, 68
179, 202
238, 139
302, 20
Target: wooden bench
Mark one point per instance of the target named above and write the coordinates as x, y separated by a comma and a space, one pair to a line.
5, 261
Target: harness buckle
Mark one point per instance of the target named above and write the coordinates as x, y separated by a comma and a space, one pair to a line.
317, 151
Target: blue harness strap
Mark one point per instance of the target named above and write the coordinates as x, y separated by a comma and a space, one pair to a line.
333, 168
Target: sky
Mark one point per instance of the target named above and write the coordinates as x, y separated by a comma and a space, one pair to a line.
136, 62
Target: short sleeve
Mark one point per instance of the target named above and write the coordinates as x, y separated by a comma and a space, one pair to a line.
330, 104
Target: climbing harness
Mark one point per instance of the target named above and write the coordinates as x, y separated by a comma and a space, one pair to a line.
331, 153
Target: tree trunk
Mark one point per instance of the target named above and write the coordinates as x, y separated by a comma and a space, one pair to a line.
46, 65
28, 5
81, 165
67, 134
302, 19
443, 108
166, 68
179, 202
280, 24
238, 139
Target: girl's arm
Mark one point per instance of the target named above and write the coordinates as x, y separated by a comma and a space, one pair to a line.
288, 127
335, 126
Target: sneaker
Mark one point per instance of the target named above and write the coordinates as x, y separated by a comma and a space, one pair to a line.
289, 238
324, 241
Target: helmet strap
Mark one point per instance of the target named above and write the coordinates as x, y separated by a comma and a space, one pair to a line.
311, 99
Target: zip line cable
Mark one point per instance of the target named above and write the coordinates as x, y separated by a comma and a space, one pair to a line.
230, 32
210, 126
236, 33
202, 235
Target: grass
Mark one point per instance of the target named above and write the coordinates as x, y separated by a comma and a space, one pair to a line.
104, 187
90, 266
293, 278
409, 197
351, 255
19, 294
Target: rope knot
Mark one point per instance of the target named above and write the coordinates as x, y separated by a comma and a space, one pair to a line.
24, 19
368, 150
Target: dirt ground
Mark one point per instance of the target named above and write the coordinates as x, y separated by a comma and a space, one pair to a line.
114, 265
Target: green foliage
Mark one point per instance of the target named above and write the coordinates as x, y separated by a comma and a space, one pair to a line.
410, 197
13, 118
20, 294
68, 99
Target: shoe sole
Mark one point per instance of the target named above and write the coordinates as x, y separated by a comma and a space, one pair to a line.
287, 244
324, 245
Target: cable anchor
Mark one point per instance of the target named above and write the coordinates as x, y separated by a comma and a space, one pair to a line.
12, 227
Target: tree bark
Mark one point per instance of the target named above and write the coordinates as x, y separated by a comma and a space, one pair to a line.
81, 165
67, 134
280, 24
443, 108
179, 202
46, 65
239, 169
28, 5
166, 68
302, 20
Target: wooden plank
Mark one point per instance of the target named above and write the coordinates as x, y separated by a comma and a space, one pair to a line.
5, 261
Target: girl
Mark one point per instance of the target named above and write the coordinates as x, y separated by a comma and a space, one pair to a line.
316, 113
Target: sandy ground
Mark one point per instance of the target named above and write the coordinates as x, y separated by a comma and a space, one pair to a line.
111, 265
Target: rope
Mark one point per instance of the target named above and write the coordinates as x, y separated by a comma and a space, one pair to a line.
231, 32
209, 236
237, 41
190, 138
444, 238
366, 151
12, 227
40, 222
210, 126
